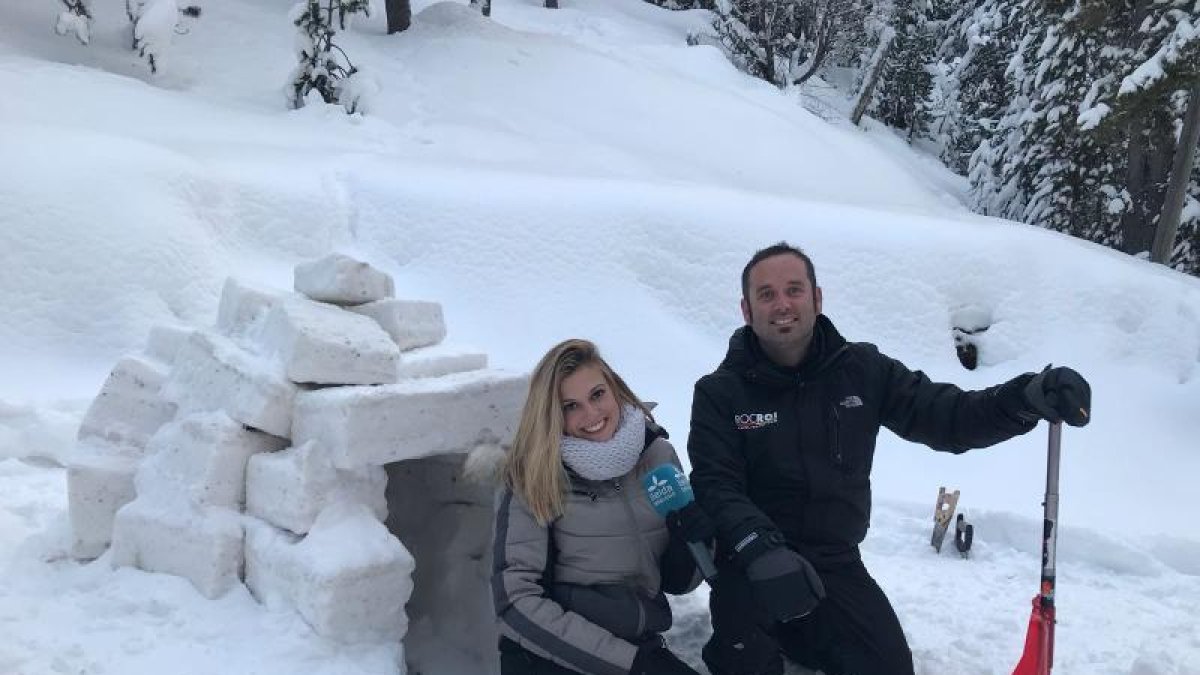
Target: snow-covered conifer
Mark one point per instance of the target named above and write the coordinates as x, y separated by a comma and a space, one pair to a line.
683, 4
153, 23
1044, 168
902, 99
76, 19
323, 67
783, 42
484, 6
970, 81
1137, 103
1186, 256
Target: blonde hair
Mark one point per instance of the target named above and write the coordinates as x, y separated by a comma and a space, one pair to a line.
534, 468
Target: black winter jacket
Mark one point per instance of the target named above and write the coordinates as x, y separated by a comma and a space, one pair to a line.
788, 452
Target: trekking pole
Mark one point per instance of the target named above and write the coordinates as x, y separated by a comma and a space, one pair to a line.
1038, 657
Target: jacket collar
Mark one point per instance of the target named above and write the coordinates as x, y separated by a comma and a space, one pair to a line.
747, 358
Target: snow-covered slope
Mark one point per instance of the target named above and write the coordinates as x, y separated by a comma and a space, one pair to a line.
546, 174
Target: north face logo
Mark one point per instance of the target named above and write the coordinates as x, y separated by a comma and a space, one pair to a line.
745, 421
851, 402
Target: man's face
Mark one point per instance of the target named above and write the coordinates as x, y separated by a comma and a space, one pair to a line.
782, 306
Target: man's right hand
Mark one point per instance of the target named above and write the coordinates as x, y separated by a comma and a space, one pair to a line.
785, 584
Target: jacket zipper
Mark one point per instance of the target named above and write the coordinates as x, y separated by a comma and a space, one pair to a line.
641, 626
835, 437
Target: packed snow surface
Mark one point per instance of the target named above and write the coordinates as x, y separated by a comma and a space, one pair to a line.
547, 174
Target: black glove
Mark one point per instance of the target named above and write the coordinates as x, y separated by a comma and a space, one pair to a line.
653, 658
785, 584
691, 523
1060, 395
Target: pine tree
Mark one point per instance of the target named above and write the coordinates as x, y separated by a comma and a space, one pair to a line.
864, 22
1186, 256
994, 190
975, 50
683, 4
1046, 170
323, 66
783, 42
902, 100
153, 24
76, 19
1086, 140
1135, 104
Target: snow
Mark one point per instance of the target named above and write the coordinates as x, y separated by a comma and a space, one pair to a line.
541, 175
1169, 52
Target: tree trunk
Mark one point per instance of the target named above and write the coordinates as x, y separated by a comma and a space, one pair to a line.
1136, 223
872, 78
399, 15
825, 39
768, 49
1181, 174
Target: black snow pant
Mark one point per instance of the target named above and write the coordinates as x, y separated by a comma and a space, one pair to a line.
854, 631
516, 660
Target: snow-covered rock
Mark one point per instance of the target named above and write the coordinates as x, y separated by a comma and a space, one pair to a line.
212, 373
411, 323
322, 344
349, 578
416, 418
342, 280
289, 488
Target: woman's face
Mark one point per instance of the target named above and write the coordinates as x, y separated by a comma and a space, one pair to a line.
590, 409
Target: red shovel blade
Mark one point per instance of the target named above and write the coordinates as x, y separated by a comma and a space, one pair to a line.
1038, 656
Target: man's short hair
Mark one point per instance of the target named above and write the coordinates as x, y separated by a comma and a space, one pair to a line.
782, 248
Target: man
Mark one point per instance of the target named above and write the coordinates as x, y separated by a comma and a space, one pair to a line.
782, 440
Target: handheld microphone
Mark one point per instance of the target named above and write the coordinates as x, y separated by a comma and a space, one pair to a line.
668, 490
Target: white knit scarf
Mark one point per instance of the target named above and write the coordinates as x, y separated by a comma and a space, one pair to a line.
602, 460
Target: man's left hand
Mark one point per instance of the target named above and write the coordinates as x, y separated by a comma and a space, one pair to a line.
1059, 394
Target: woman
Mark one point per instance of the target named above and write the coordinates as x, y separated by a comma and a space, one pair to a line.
581, 559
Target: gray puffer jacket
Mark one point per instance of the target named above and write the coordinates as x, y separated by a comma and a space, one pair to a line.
583, 591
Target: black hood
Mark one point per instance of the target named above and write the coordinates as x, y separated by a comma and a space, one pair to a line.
746, 357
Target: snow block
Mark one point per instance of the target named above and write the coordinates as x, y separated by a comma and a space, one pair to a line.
212, 373
99, 482
203, 545
164, 342
411, 323
129, 408
377, 425
202, 458
327, 345
289, 488
349, 578
438, 361
342, 280
243, 308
